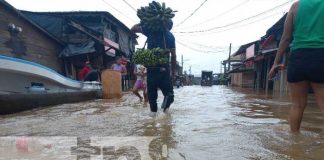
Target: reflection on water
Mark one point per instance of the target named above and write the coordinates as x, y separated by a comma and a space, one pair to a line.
204, 123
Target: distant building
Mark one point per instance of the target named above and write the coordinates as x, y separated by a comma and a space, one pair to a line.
252, 62
242, 71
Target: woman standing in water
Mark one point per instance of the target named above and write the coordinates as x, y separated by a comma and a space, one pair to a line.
304, 26
118, 66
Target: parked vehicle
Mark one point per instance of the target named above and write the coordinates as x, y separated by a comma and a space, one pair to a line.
206, 78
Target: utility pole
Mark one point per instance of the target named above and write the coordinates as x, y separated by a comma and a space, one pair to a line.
229, 57
190, 70
182, 63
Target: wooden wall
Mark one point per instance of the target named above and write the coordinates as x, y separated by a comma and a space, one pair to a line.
248, 79
31, 44
236, 79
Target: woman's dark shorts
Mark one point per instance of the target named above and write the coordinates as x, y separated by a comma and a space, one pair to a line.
306, 65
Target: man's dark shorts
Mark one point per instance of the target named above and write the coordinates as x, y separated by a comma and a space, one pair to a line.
306, 65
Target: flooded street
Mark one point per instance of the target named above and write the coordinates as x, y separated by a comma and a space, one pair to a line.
204, 123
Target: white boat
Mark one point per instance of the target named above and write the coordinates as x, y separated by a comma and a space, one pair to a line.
25, 85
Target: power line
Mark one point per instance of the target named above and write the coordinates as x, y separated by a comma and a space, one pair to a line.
119, 11
262, 19
204, 46
130, 6
198, 50
221, 14
192, 13
258, 20
240, 21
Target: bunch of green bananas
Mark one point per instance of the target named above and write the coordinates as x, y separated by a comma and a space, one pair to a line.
150, 57
156, 17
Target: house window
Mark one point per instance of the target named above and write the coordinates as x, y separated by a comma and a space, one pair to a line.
111, 33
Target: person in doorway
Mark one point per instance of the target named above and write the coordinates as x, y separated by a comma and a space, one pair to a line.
87, 73
140, 84
178, 82
159, 76
118, 66
305, 26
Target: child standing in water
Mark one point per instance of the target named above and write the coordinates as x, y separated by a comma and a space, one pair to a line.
140, 84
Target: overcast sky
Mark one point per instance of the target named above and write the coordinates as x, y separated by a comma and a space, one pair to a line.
203, 37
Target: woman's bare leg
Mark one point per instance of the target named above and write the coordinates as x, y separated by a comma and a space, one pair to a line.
299, 92
135, 91
319, 94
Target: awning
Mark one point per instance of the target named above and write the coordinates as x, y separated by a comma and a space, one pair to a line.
240, 70
108, 47
124, 61
237, 64
269, 51
78, 49
267, 41
259, 57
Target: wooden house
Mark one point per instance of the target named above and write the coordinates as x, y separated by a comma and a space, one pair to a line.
22, 38
256, 61
97, 37
242, 72
265, 58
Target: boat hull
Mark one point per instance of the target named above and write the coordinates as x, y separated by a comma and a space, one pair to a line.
25, 85
12, 103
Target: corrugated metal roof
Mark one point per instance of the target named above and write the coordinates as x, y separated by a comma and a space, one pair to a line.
109, 17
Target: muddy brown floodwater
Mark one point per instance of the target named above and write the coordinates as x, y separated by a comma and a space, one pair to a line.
204, 123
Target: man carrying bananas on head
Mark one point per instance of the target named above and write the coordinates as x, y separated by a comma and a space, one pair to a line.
158, 76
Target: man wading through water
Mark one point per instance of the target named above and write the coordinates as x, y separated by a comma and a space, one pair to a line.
159, 76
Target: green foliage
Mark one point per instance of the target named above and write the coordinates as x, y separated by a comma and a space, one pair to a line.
150, 57
156, 16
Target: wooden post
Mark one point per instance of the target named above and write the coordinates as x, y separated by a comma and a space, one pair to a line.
225, 72
258, 74
282, 78
267, 74
74, 75
264, 73
66, 70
